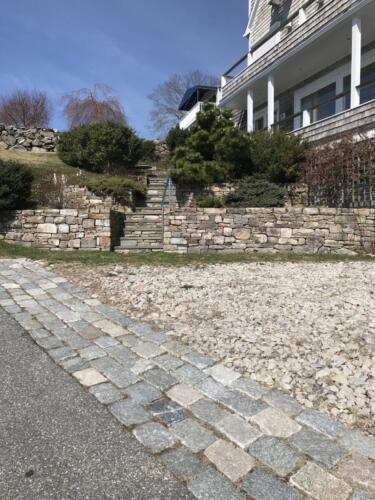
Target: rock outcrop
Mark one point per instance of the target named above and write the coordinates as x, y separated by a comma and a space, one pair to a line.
38, 140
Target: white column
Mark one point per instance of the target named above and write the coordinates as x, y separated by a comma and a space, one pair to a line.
356, 62
250, 110
271, 101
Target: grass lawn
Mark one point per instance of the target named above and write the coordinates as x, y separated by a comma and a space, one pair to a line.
50, 175
8, 250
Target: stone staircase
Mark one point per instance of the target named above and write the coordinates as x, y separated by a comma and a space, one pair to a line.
143, 230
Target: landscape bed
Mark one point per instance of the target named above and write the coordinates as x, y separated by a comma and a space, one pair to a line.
305, 327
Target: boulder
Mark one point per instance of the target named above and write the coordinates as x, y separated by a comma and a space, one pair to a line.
242, 234
10, 140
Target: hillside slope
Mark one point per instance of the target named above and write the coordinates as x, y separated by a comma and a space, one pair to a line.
50, 175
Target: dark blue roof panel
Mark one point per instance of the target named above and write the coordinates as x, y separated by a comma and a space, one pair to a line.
190, 98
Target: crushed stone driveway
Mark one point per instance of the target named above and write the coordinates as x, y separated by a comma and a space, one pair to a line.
62, 438
306, 328
225, 436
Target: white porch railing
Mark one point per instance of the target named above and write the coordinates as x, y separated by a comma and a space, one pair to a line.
356, 120
191, 116
332, 11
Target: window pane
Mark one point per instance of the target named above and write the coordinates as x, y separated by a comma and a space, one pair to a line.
307, 102
326, 103
321, 104
259, 124
347, 84
368, 84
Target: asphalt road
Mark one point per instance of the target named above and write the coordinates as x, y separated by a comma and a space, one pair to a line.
58, 442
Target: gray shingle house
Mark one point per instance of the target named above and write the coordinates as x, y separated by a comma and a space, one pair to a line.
309, 69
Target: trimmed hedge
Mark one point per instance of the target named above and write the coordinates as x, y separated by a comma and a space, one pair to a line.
15, 185
102, 148
277, 156
210, 201
256, 193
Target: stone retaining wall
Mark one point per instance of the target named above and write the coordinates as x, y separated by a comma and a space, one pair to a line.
272, 230
38, 140
81, 198
68, 229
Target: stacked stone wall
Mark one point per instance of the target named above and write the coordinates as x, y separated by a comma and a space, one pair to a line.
162, 153
81, 198
38, 140
271, 230
84, 223
64, 229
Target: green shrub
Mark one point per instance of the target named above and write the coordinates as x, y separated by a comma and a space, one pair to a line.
215, 150
191, 169
124, 191
176, 137
148, 150
15, 185
210, 201
277, 156
104, 147
256, 193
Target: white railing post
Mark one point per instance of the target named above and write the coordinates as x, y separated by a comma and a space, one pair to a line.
306, 117
355, 93
271, 101
224, 81
250, 110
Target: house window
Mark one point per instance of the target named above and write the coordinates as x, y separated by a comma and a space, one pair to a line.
368, 83
286, 112
320, 104
367, 89
347, 84
259, 124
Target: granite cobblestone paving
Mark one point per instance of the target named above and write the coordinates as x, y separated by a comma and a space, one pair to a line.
227, 436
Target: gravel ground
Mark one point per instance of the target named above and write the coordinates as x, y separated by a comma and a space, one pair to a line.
307, 328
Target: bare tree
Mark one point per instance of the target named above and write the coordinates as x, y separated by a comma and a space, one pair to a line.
167, 96
25, 108
90, 106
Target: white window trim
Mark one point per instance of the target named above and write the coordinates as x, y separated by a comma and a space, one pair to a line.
336, 76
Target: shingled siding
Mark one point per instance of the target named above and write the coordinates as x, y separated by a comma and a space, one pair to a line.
331, 10
267, 15
358, 119
271, 230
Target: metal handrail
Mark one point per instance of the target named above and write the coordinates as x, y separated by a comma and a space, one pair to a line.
235, 65
167, 190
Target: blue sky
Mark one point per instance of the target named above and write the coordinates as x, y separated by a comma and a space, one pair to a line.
129, 45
